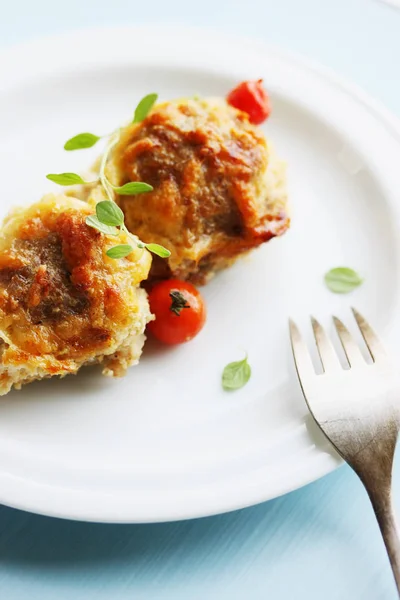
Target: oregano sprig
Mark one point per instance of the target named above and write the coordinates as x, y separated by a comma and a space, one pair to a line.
94, 222
81, 141
119, 251
109, 213
144, 107
66, 179
109, 218
342, 280
132, 188
236, 374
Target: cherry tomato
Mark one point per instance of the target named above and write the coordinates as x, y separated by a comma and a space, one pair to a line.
252, 98
179, 310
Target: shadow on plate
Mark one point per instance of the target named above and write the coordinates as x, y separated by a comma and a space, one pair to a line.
88, 381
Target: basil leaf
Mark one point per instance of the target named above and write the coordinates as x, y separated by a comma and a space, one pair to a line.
119, 251
236, 375
65, 178
342, 280
94, 222
144, 107
109, 213
132, 188
159, 250
80, 141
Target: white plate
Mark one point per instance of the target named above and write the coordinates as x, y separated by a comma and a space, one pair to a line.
166, 442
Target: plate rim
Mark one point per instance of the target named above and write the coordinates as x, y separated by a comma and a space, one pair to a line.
32, 502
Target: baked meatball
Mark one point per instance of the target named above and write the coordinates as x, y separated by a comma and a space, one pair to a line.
219, 190
63, 302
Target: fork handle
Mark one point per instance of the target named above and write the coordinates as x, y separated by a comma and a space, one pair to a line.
381, 500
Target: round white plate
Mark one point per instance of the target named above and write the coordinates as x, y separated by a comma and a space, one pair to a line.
166, 442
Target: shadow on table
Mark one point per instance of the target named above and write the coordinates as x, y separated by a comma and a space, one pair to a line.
32, 541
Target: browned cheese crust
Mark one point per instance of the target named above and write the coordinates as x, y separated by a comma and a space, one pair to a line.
63, 303
215, 196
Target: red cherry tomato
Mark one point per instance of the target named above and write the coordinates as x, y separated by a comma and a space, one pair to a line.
252, 98
179, 310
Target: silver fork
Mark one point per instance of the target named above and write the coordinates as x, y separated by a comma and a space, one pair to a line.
358, 411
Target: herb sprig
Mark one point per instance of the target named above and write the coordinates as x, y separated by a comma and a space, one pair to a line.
81, 141
342, 280
109, 218
236, 374
66, 179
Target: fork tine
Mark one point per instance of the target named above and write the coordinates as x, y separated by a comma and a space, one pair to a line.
329, 359
373, 343
350, 347
301, 355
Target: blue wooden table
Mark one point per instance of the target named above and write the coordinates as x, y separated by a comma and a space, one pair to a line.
320, 542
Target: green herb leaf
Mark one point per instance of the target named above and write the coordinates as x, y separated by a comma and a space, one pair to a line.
132, 188
94, 222
109, 213
178, 302
236, 375
144, 107
119, 251
65, 178
80, 141
342, 280
159, 250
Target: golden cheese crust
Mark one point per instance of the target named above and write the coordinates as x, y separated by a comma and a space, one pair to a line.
219, 191
63, 302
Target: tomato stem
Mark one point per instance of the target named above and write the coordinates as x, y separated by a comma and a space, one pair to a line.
178, 302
